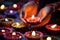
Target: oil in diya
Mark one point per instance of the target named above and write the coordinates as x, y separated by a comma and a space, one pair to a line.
34, 35
53, 29
49, 38
33, 20
19, 26
7, 22
14, 36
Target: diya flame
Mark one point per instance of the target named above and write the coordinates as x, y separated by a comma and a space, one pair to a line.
53, 26
33, 33
6, 19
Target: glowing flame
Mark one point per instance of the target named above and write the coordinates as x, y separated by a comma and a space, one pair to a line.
32, 17
3, 30
14, 33
53, 26
11, 11
17, 24
48, 38
15, 5
33, 33
2, 6
6, 19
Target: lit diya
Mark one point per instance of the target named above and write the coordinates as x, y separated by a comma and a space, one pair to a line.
4, 30
10, 12
14, 7
33, 35
13, 36
49, 38
33, 20
7, 21
19, 26
53, 28
3, 7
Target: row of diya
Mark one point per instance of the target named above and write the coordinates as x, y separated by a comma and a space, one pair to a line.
11, 10
13, 7
8, 22
7, 34
10, 13
32, 20
3, 7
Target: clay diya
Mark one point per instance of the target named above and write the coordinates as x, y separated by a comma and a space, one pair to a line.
33, 20
49, 38
14, 7
11, 13
7, 21
53, 29
4, 30
14, 36
19, 26
33, 35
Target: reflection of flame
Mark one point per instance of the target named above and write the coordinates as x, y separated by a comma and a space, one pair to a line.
3, 30
17, 24
53, 26
48, 38
14, 5
33, 33
14, 33
32, 17
2, 6
6, 19
11, 11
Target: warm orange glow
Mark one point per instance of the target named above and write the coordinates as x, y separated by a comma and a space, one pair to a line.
3, 30
53, 26
2, 6
11, 11
33, 33
32, 17
6, 19
14, 33
48, 38
15, 5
